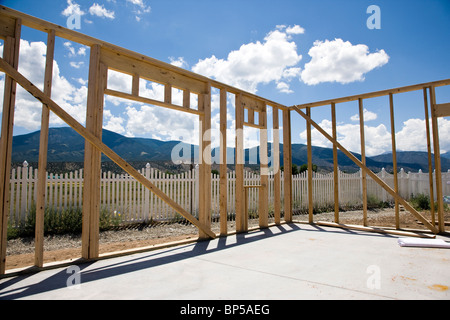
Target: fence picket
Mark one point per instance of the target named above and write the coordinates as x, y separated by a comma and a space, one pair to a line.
123, 195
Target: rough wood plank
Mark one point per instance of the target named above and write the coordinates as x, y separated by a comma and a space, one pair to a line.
264, 173
150, 101
363, 159
310, 169
122, 63
335, 165
430, 165
223, 163
276, 166
43, 149
374, 94
394, 159
437, 161
287, 159
205, 163
11, 55
442, 110
239, 165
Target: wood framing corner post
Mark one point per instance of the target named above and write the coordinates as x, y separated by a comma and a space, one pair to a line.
287, 162
264, 169
239, 166
92, 156
204, 210
223, 163
11, 56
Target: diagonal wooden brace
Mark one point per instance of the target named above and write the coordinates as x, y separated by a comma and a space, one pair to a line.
369, 172
97, 143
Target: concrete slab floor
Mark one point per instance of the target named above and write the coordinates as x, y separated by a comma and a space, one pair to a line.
288, 262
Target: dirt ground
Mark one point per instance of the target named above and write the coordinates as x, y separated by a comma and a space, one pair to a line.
20, 252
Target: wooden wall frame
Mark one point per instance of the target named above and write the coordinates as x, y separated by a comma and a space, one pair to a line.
105, 56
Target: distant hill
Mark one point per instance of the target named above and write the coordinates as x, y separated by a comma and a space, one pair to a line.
65, 145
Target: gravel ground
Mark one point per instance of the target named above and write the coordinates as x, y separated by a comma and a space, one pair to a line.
20, 252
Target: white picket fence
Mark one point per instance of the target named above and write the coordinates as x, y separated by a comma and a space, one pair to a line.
123, 195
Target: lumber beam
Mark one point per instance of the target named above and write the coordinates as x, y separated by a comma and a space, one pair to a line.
442, 110
287, 159
276, 166
430, 165
43, 149
444, 82
335, 165
239, 166
223, 164
394, 159
11, 57
437, 161
204, 215
264, 173
310, 171
92, 156
363, 159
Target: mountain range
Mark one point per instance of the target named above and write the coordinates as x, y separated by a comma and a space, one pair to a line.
65, 145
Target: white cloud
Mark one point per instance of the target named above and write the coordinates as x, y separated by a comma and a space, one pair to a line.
284, 87
76, 65
72, 51
339, 61
69, 97
377, 138
72, 8
368, 116
101, 11
113, 123
178, 62
161, 123
82, 51
410, 137
272, 60
295, 30
140, 8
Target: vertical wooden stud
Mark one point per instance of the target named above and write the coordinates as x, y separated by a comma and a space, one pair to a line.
239, 165
437, 162
135, 85
223, 163
363, 160
310, 169
264, 169
204, 215
276, 166
287, 160
43, 148
430, 165
335, 165
92, 162
11, 56
394, 160
187, 99
167, 93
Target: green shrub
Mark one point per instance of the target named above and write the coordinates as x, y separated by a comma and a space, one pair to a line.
57, 222
420, 202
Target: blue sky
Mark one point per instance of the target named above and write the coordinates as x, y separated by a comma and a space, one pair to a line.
292, 52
